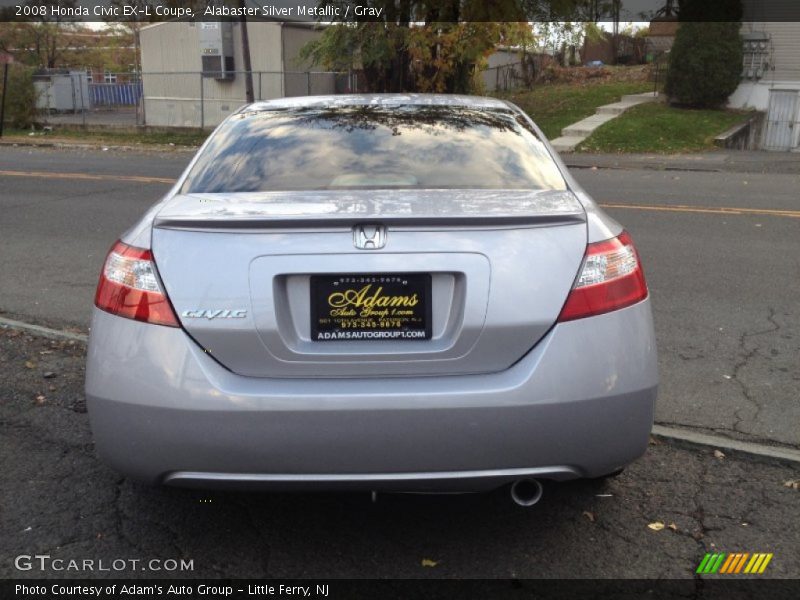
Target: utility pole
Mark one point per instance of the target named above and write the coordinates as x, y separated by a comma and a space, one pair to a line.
137, 60
248, 70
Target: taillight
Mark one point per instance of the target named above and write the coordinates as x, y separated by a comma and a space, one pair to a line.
129, 287
611, 278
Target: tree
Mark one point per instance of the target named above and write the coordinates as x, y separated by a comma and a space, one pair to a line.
37, 42
67, 45
421, 45
705, 62
561, 38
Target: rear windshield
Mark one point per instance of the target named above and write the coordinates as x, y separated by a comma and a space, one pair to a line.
368, 147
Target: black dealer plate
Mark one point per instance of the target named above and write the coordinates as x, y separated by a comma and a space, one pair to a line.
386, 306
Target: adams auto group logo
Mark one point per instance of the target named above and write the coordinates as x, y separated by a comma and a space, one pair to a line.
734, 563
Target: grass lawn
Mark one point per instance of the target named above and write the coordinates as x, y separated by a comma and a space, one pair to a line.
663, 129
111, 137
553, 107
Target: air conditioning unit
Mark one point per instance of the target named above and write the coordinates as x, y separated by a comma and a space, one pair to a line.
216, 50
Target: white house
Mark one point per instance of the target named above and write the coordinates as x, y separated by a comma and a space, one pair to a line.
771, 81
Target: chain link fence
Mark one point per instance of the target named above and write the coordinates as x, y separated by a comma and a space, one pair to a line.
177, 99
503, 78
517, 74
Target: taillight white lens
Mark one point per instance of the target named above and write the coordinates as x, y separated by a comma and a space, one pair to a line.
134, 273
600, 268
129, 287
611, 278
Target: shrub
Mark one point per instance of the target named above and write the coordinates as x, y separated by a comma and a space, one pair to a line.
21, 97
705, 63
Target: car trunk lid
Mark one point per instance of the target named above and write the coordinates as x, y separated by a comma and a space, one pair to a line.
238, 269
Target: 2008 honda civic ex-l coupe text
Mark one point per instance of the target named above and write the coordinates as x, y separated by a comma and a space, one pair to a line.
390, 292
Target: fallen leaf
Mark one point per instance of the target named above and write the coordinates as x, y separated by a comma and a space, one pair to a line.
29, 364
672, 526
718, 454
427, 562
792, 484
656, 526
590, 516
40, 399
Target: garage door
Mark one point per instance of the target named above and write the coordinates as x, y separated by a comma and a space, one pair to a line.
782, 120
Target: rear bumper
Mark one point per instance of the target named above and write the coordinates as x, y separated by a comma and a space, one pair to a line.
580, 404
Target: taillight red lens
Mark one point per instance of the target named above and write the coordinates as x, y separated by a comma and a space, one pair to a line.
611, 278
129, 287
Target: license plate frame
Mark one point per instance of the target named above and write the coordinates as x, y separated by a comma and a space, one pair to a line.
371, 307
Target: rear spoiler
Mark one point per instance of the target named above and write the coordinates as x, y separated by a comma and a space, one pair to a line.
340, 209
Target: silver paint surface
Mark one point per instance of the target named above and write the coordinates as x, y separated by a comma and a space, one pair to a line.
500, 392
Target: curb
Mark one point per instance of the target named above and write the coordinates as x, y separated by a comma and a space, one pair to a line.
645, 167
98, 147
43, 331
716, 441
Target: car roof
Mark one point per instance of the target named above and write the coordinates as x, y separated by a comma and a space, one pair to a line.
340, 100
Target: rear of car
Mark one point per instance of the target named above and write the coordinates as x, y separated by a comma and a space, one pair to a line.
385, 293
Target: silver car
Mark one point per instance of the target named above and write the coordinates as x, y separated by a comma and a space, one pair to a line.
378, 292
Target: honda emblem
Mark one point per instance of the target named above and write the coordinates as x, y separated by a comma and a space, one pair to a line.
369, 237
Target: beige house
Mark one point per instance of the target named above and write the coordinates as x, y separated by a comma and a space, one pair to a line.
193, 75
771, 81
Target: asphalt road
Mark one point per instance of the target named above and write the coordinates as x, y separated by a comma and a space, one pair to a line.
721, 252
724, 289
656, 520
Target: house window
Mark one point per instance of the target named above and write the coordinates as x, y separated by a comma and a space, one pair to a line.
109, 77
757, 49
88, 76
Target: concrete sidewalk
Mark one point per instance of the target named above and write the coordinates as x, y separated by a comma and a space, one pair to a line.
729, 161
573, 135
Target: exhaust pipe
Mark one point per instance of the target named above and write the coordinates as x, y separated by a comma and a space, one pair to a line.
526, 492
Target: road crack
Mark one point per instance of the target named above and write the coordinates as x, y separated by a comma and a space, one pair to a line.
748, 354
